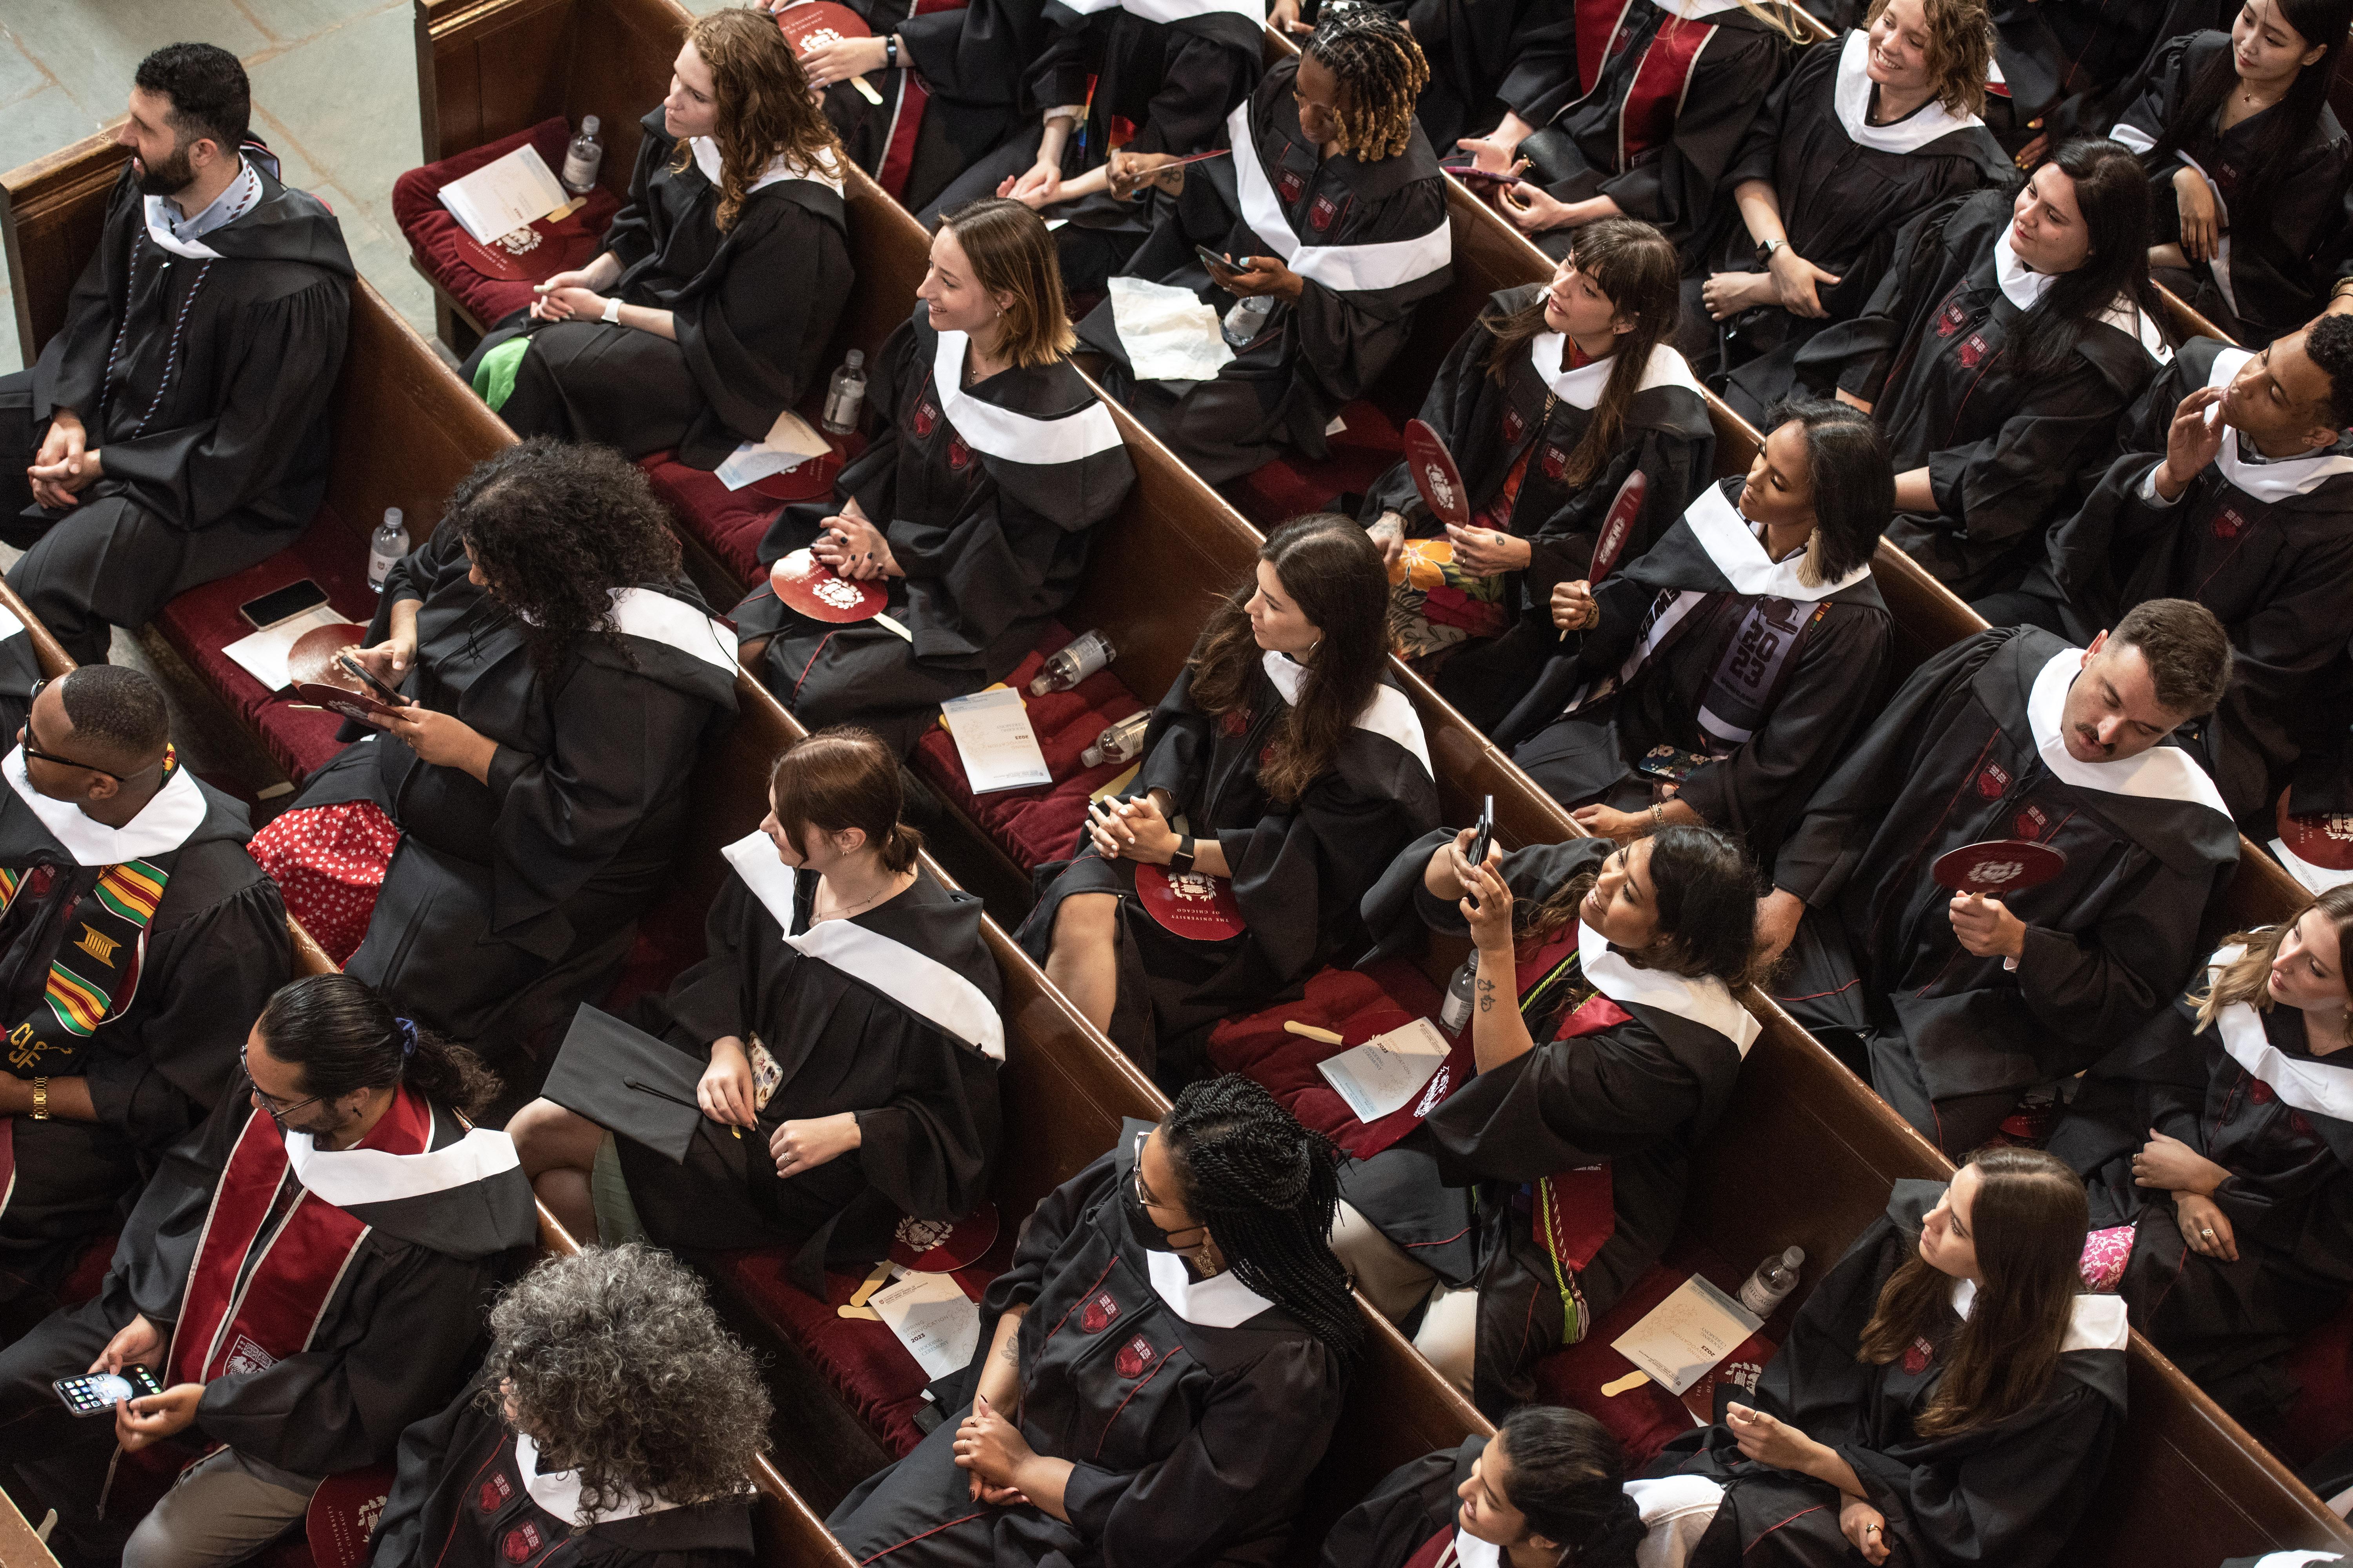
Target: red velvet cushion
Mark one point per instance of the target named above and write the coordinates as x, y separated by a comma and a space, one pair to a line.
730, 523
1035, 826
860, 1358
1340, 1000
433, 232
202, 621
88, 1272
2322, 1415
1294, 485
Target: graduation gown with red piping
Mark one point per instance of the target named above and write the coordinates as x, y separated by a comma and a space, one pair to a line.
1630, 1080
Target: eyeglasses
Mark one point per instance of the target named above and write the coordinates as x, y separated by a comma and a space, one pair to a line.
33, 751
270, 1102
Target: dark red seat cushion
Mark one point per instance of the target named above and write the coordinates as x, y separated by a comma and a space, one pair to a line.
202, 621
1295, 484
82, 1281
860, 1358
2322, 1415
434, 232
1352, 1004
730, 523
1035, 826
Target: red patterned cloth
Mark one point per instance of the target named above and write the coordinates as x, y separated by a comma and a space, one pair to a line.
329, 862
2105, 1253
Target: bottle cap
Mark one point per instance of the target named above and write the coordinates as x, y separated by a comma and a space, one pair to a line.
391, 517
857, 358
1794, 1256
588, 123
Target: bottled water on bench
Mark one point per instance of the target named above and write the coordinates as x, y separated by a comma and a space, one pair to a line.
1773, 1279
845, 400
1120, 742
583, 158
389, 544
1074, 662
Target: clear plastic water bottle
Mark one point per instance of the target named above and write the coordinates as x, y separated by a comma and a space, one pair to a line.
1247, 319
389, 543
1120, 742
1773, 1279
583, 158
1074, 662
1456, 1013
846, 398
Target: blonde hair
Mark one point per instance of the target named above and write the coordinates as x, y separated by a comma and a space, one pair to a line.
763, 104
2246, 978
1961, 50
1012, 253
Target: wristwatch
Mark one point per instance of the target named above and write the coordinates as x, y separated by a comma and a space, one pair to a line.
1765, 249
891, 52
41, 1099
1182, 859
613, 311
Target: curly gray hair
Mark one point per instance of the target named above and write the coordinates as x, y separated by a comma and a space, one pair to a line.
614, 1362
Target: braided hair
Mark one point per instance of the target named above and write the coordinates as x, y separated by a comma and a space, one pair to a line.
1268, 1189
1381, 73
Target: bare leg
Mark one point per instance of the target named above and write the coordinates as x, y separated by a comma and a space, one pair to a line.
559, 1150
1084, 960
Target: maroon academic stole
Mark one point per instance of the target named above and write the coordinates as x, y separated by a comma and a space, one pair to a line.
222, 1330
1575, 1210
1662, 78
1438, 1552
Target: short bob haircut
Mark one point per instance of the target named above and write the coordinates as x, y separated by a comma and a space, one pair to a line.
1012, 254
1854, 479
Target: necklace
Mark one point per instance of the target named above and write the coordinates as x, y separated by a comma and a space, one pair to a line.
889, 886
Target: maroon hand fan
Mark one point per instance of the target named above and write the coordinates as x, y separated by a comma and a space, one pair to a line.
342, 1516
1190, 904
1435, 475
538, 250
943, 1246
1618, 525
312, 661
807, 27
2321, 838
810, 586
1997, 866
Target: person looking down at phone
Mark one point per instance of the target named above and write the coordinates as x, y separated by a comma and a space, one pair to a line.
305, 1277
175, 429
1953, 1004
1329, 172
1715, 680
682, 333
845, 1025
557, 675
136, 936
1606, 1039
612, 1414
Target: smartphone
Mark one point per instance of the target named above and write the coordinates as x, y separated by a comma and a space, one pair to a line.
282, 604
1213, 261
98, 1393
1475, 175
367, 677
1486, 833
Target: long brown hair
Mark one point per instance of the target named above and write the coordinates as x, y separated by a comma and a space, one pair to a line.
763, 105
1013, 253
840, 778
1334, 570
2245, 978
1961, 50
2029, 1219
1637, 270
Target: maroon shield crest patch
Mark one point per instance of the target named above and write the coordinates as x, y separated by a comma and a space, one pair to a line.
1325, 211
2297, 1124
1235, 722
1513, 425
1291, 186
1555, 463
1952, 319
520, 1542
1098, 1314
2228, 523
2258, 1091
1973, 352
494, 1493
1992, 779
1134, 1356
1620, 40
1918, 1355
2031, 823
926, 418
959, 455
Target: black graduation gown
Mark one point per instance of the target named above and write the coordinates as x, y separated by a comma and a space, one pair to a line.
1489, 428
2003, 452
399, 1331
1469, 45
1958, 756
1299, 869
988, 495
1636, 1096
505, 903
2275, 278
1643, 104
1751, 787
956, 92
462, 1498
1374, 242
1412, 1503
2069, 67
1203, 1465
216, 951
873, 1043
1846, 187
2249, 1094
203, 374
2009, 1491
750, 344
2267, 546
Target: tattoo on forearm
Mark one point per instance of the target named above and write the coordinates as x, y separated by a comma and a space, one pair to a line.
1486, 994
1011, 1351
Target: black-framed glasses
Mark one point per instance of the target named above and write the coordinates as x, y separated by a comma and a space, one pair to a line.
33, 751
275, 1106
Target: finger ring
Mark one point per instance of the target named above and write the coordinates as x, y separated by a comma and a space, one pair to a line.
2207, 1233
1870, 1530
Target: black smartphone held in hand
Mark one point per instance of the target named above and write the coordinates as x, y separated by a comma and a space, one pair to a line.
98, 1393
368, 677
1213, 261
1485, 834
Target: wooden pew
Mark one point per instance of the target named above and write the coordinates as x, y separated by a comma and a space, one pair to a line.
2182, 323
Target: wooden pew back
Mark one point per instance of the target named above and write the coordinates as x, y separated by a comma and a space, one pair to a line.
52, 211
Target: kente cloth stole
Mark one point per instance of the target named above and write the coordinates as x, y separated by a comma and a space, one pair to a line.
1574, 1211
95, 971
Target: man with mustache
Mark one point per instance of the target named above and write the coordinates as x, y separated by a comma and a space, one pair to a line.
175, 430
1953, 1005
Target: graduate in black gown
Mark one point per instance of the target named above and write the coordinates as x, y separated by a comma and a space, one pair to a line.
1469, 44
174, 430
2235, 489
1953, 1004
2237, 125
1545, 1490
1717, 680
305, 1275
123, 1036
1296, 770
2069, 67
1125, 88
971, 507
1997, 353
560, 677
705, 316
613, 1415
1159, 1371
1331, 217
1620, 1056
1633, 109
1948, 1392
1864, 133
840, 1039
2224, 1152
1549, 402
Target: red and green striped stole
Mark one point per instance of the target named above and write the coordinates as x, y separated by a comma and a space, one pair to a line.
96, 970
